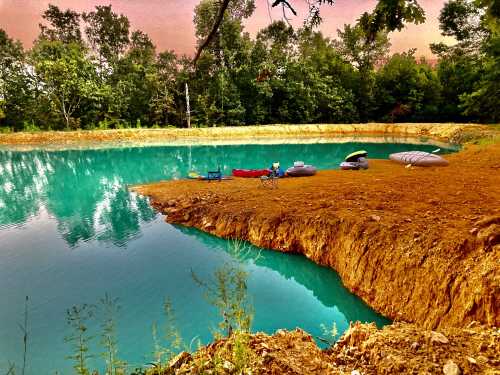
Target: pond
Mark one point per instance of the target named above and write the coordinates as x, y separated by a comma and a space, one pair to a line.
70, 232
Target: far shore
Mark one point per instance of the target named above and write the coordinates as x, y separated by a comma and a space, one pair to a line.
266, 134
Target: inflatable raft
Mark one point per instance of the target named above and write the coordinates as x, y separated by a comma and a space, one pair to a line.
419, 158
354, 161
362, 163
301, 170
250, 172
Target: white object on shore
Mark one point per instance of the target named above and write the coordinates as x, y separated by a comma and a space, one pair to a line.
419, 158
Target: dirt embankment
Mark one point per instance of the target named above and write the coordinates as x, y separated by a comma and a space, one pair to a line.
452, 132
397, 349
419, 245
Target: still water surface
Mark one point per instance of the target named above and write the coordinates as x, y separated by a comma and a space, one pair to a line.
70, 232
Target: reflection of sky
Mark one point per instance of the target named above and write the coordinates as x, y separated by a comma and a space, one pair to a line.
70, 231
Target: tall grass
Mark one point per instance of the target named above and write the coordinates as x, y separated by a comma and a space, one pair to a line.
77, 318
109, 310
165, 349
24, 329
227, 291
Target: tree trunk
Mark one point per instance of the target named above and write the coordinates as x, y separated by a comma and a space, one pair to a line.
211, 35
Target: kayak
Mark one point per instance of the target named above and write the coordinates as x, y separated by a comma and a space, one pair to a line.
301, 171
419, 158
353, 157
250, 172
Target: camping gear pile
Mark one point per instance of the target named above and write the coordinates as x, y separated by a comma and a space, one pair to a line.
354, 161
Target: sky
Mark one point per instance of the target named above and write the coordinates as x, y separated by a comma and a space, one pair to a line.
169, 23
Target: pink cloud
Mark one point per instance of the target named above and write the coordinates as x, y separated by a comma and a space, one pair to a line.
170, 22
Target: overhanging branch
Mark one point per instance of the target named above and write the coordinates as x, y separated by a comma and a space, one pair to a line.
284, 2
213, 32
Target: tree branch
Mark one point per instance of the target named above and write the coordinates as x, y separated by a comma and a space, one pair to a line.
284, 2
213, 32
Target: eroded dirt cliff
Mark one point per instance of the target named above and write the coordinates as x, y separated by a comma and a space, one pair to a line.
417, 244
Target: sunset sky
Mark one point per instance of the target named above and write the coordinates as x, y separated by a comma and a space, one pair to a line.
170, 22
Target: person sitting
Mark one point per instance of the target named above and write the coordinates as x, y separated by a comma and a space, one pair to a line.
276, 170
271, 180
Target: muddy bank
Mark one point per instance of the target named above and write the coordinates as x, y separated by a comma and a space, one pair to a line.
448, 132
396, 349
419, 245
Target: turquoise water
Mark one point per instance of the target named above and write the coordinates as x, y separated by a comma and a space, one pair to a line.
70, 232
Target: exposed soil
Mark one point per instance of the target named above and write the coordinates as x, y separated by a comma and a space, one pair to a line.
454, 132
397, 349
420, 245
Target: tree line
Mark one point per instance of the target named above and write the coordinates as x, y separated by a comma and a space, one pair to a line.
91, 71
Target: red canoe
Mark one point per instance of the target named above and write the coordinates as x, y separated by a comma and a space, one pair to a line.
250, 172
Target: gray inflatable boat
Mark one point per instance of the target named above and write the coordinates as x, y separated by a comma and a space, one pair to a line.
419, 158
301, 170
362, 163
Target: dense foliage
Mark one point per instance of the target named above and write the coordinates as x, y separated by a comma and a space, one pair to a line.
91, 71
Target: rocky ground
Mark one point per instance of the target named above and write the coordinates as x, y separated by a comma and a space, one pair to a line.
397, 349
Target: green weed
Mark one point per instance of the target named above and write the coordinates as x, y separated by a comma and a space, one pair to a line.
109, 309
77, 318
329, 334
228, 293
166, 349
